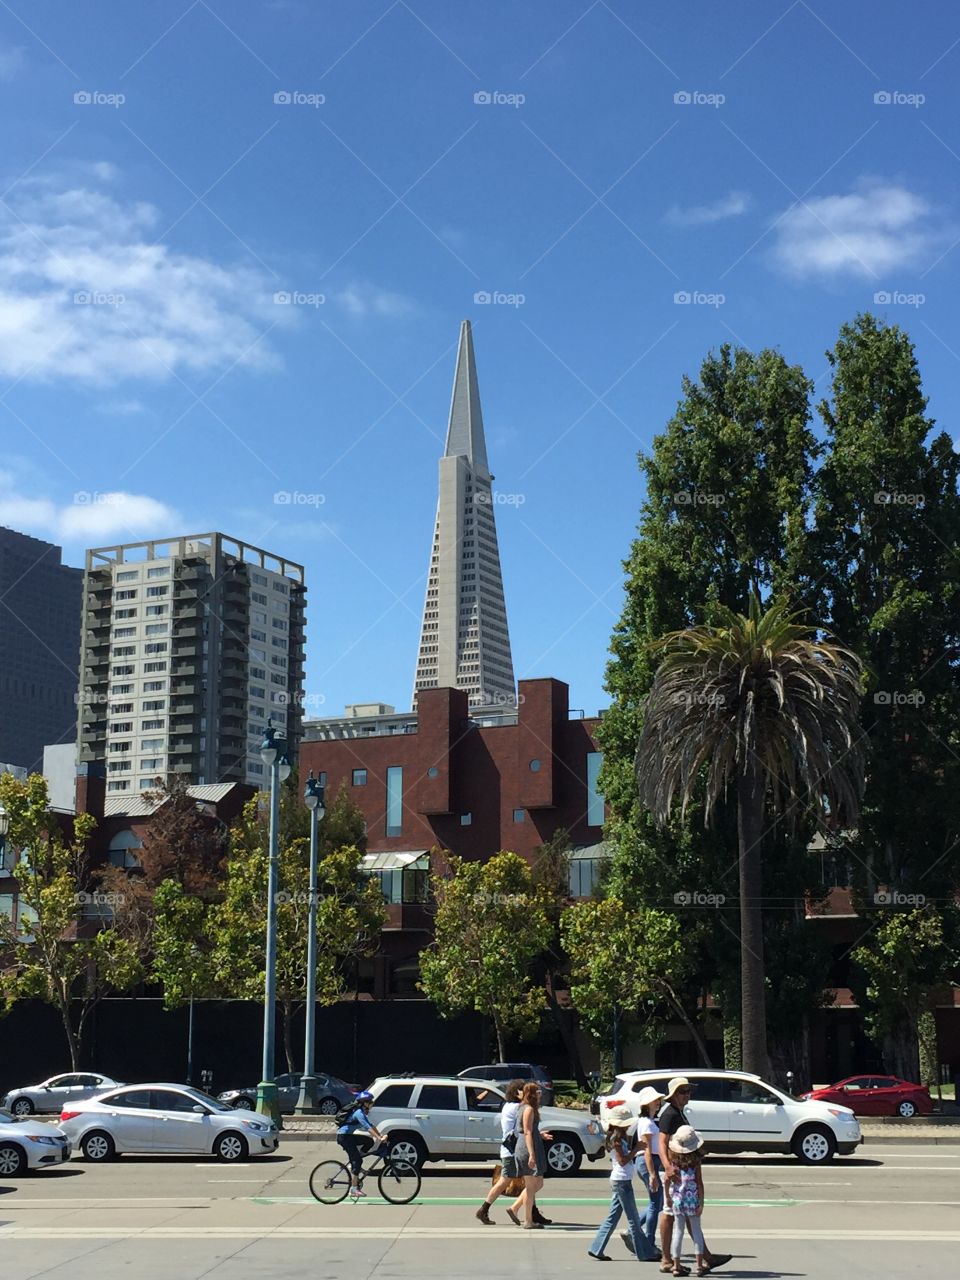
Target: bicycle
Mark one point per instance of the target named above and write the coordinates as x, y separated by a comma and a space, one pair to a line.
398, 1180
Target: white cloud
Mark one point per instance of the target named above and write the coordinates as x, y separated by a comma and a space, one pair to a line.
87, 294
362, 300
91, 517
731, 205
874, 229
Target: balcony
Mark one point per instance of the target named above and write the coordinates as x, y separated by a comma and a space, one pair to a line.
184, 688
183, 747
183, 667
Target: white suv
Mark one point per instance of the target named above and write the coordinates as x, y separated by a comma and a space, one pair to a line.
444, 1118
736, 1111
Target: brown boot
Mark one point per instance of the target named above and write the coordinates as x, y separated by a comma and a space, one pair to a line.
483, 1213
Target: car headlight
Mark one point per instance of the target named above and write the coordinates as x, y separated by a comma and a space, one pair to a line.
593, 1127
843, 1115
258, 1128
47, 1142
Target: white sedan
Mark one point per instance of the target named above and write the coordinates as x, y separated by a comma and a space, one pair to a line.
169, 1119
30, 1144
53, 1095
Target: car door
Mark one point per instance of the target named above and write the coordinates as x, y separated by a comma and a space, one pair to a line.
482, 1131
757, 1114
288, 1090
441, 1118
87, 1086
177, 1126
55, 1093
130, 1119
886, 1095
708, 1110
859, 1094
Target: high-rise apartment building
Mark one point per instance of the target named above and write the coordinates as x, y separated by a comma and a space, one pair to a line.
464, 640
190, 645
40, 603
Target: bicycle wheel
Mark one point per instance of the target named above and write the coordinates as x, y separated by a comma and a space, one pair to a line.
330, 1182
399, 1181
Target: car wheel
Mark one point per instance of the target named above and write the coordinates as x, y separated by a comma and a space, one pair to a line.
408, 1148
22, 1107
230, 1147
243, 1104
814, 1144
328, 1106
98, 1146
906, 1109
13, 1160
564, 1156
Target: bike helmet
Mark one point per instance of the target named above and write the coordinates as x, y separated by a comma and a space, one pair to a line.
364, 1096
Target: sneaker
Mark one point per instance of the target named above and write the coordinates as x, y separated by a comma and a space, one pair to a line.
627, 1239
357, 1194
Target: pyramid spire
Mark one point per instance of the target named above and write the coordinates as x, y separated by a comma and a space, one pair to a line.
464, 640
465, 429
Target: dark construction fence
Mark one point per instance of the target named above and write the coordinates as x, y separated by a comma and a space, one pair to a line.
137, 1040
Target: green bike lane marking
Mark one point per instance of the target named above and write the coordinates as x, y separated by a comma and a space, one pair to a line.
468, 1200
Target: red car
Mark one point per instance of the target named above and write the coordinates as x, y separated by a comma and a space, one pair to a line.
877, 1096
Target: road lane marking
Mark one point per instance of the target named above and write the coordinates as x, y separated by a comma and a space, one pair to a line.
404, 1233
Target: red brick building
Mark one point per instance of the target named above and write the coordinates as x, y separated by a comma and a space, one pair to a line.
471, 782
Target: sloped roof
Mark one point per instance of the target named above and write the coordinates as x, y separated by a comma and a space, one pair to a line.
138, 806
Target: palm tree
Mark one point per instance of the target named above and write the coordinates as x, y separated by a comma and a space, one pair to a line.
758, 702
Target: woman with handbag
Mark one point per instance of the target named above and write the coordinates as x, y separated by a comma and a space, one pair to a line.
508, 1159
531, 1154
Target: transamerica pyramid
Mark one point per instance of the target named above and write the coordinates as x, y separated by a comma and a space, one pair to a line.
464, 641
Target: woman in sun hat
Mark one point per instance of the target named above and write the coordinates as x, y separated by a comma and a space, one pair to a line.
686, 1148
649, 1166
623, 1146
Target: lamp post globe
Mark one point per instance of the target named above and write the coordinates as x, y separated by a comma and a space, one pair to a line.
307, 1101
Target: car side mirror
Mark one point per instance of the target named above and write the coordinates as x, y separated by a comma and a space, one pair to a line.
201, 1110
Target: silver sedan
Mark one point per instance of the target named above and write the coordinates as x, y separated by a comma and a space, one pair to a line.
30, 1144
53, 1094
170, 1119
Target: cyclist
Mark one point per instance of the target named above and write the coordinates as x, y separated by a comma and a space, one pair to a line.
353, 1132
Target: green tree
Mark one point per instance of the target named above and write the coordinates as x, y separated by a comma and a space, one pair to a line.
491, 925
181, 958
727, 503
623, 963
350, 909
57, 951
761, 707
886, 578
904, 961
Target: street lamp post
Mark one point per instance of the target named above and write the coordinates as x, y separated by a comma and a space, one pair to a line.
273, 755
307, 1101
4, 828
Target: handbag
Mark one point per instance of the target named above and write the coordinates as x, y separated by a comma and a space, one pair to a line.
514, 1185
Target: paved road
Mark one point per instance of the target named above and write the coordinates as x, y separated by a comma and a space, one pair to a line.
892, 1211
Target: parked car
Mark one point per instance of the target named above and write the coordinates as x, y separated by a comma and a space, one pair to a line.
332, 1094
736, 1111
501, 1072
165, 1118
447, 1118
876, 1096
30, 1144
54, 1094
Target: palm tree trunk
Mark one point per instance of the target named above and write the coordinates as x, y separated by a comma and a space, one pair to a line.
753, 1017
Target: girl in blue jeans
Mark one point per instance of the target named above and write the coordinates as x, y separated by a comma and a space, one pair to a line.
623, 1151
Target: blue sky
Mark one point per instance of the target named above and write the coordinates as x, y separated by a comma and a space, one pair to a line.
169, 168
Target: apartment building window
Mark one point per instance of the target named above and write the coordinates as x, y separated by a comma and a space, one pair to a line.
257, 692
118, 786
156, 610
155, 704
259, 635
152, 686
124, 650
123, 671
125, 595
151, 762
253, 767
157, 591
259, 579
119, 766
156, 646
279, 623
126, 575
259, 598
258, 673
394, 800
151, 744
519, 815
157, 628
124, 631
125, 613
160, 572
277, 661
280, 587
359, 778
466, 819
151, 724
117, 747
279, 642
121, 688
120, 708
280, 680
259, 713
594, 797
259, 655
147, 784
154, 666
121, 726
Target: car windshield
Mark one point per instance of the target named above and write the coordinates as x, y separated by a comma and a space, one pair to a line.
207, 1101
